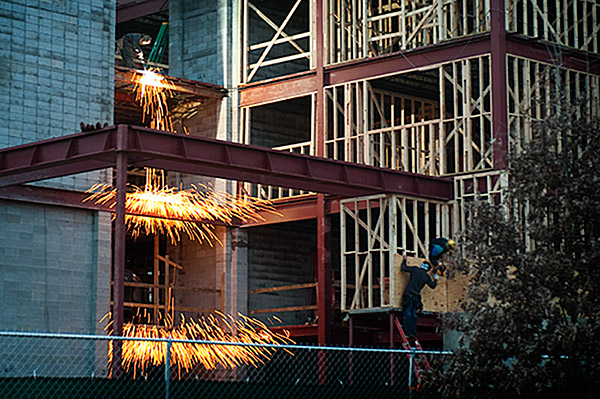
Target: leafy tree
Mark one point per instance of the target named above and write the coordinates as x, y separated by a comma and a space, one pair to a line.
530, 326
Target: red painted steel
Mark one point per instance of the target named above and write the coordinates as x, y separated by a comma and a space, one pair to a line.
324, 302
120, 232
397, 63
278, 90
49, 196
499, 96
127, 11
533, 49
295, 86
88, 151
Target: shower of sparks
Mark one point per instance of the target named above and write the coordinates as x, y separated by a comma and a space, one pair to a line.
151, 91
138, 356
160, 209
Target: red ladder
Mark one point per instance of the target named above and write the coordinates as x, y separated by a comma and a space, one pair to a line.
417, 346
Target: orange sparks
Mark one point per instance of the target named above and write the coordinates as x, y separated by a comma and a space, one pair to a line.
151, 91
137, 356
160, 209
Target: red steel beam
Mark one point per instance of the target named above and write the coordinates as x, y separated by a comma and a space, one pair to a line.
208, 157
278, 90
420, 58
534, 49
303, 84
50, 196
62, 156
88, 151
289, 211
127, 11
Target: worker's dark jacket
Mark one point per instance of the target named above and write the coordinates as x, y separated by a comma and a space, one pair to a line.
418, 279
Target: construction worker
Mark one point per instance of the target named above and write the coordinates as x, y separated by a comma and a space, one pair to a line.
411, 300
437, 248
130, 48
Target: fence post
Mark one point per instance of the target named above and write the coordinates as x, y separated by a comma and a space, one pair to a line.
168, 368
410, 374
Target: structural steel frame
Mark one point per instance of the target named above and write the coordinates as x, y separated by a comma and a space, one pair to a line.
124, 145
84, 152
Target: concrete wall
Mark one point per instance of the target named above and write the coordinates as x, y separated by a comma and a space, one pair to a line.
280, 255
57, 70
54, 268
202, 36
202, 279
282, 123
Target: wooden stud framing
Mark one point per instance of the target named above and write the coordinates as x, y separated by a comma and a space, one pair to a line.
534, 91
373, 230
557, 21
370, 28
484, 186
300, 51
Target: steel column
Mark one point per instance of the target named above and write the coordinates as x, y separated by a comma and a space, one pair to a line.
323, 271
499, 84
120, 234
119, 249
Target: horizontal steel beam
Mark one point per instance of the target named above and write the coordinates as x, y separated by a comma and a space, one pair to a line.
409, 61
278, 90
50, 196
88, 151
553, 54
127, 11
292, 86
185, 86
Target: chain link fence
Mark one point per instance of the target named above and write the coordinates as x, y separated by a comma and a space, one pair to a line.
39, 365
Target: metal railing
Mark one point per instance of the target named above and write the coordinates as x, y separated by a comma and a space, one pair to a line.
37, 365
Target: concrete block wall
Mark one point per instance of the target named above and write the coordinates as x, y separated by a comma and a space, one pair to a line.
282, 123
203, 47
205, 122
280, 255
57, 70
193, 41
55, 265
199, 275
214, 279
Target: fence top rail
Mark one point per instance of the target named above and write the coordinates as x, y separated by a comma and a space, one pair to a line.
23, 334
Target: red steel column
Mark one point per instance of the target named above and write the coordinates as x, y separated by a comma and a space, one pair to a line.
119, 248
323, 271
323, 221
499, 83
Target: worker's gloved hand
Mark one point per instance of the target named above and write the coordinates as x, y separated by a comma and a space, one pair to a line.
440, 270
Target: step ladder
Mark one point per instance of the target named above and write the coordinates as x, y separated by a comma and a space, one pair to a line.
420, 361
160, 44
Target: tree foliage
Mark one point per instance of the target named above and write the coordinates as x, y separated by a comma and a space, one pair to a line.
530, 327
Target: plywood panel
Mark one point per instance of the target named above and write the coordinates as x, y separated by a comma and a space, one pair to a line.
446, 297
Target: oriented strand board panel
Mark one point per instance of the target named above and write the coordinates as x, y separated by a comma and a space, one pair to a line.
446, 297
